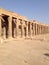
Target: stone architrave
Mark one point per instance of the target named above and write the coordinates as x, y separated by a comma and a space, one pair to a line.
10, 27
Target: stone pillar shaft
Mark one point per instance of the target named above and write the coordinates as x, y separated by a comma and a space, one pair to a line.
31, 30
10, 27
0, 27
22, 29
40, 29
36, 29
27, 29
4, 32
17, 20
14, 20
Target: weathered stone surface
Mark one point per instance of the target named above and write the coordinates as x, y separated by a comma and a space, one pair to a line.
13, 25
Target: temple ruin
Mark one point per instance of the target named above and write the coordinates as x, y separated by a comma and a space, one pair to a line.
13, 25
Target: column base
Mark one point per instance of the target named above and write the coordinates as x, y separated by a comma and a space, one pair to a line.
27, 37
10, 38
1, 40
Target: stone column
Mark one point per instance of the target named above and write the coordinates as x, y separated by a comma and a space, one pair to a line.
36, 29
10, 27
0, 27
27, 29
4, 33
30, 29
14, 20
33, 28
46, 29
2, 30
43, 29
22, 28
17, 20
40, 29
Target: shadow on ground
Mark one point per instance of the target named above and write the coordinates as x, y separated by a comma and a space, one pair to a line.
46, 54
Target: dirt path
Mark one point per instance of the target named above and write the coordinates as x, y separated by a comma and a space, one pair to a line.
25, 52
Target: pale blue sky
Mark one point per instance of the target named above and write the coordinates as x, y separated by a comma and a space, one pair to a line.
32, 9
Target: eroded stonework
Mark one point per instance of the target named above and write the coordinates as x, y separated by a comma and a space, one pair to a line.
13, 25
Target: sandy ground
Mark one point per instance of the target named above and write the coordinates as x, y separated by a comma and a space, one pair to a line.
25, 52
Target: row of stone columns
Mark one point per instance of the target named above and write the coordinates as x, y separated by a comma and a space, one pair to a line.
10, 27
35, 28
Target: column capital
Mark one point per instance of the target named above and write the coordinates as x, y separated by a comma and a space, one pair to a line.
10, 19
